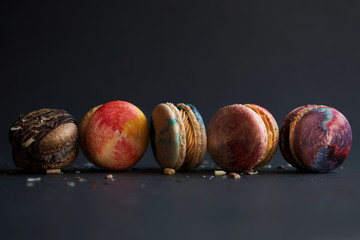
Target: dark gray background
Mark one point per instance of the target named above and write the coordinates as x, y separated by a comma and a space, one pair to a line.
278, 54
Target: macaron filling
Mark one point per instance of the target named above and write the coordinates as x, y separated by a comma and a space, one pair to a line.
270, 132
190, 137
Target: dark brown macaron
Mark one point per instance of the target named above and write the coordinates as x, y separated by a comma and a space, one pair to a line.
44, 139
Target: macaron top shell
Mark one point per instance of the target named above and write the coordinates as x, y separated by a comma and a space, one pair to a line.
168, 137
195, 136
320, 140
237, 138
285, 133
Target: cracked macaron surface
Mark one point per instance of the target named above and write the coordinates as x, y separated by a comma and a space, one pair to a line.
315, 138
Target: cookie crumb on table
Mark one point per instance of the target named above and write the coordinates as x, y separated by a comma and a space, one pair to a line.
169, 171
235, 175
71, 184
109, 176
219, 172
53, 171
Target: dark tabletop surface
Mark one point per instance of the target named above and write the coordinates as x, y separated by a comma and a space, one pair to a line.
277, 203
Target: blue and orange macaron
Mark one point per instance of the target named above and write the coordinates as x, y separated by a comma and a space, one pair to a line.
178, 136
315, 138
242, 137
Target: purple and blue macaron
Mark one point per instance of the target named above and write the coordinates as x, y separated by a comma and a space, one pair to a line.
178, 136
315, 138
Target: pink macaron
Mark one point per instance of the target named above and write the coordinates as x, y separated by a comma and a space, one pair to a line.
242, 137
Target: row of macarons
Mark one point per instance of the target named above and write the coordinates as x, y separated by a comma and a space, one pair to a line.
239, 138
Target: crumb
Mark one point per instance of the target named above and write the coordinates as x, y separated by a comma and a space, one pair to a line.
53, 171
93, 185
341, 167
252, 172
29, 184
65, 178
281, 167
80, 179
219, 172
224, 176
33, 179
108, 176
235, 175
77, 172
268, 166
289, 165
204, 176
169, 171
71, 184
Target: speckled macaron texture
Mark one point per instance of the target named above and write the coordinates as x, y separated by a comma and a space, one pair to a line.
315, 138
178, 136
242, 137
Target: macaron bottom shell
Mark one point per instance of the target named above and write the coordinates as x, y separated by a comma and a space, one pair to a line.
272, 130
196, 140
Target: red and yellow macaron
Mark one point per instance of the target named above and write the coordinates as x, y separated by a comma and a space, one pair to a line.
114, 135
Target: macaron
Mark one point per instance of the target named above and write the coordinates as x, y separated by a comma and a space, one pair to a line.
115, 135
44, 139
315, 138
178, 136
242, 137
